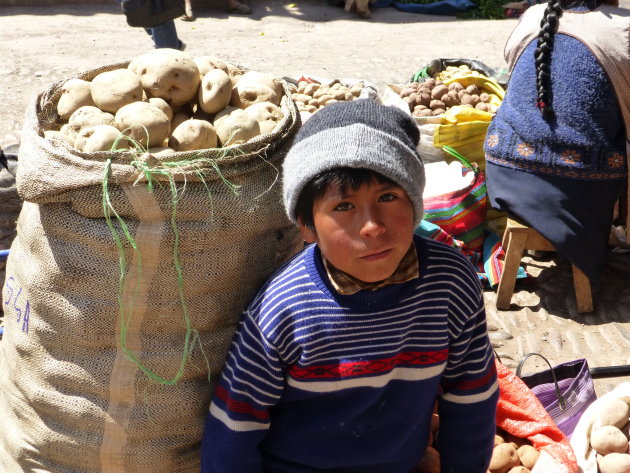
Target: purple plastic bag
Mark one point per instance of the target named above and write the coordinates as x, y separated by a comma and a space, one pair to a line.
565, 390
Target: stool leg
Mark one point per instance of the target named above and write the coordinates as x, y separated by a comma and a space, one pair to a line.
583, 294
513, 254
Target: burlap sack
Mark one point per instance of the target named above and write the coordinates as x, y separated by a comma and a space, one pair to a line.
72, 398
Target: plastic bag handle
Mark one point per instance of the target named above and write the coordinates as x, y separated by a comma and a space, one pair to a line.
559, 395
453, 152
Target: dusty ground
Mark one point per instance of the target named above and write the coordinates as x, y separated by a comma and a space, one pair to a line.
41, 45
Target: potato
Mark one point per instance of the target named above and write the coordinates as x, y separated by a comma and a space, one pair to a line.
246, 94
178, 118
100, 138
256, 77
193, 134
311, 87
407, 91
484, 107
89, 115
215, 91
519, 469
234, 126
435, 104
528, 455
145, 123
75, 93
449, 100
608, 439
614, 463
430, 462
169, 74
207, 63
438, 91
69, 132
473, 89
613, 412
266, 114
467, 99
498, 440
504, 457
113, 89
438, 111
162, 105
456, 86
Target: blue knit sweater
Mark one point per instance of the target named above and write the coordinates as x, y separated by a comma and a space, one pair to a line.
586, 140
316, 381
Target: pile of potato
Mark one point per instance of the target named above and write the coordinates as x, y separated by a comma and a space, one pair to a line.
510, 455
610, 435
311, 96
433, 97
168, 101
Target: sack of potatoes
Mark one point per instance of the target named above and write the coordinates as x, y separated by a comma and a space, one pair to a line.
432, 96
167, 101
311, 94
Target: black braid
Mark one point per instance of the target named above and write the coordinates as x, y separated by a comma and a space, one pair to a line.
548, 28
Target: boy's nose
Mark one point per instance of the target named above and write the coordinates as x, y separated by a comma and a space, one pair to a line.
372, 225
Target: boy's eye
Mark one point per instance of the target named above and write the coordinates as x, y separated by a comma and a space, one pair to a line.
388, 197
344, 206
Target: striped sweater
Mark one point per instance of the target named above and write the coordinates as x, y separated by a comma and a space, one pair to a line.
316, 381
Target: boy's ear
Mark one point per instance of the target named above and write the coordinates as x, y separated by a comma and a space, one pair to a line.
308, 235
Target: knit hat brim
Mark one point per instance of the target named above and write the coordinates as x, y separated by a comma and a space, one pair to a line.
355, 146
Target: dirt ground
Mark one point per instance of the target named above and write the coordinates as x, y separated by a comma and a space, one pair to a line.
41, 45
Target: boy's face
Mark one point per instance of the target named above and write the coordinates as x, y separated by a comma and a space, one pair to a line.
363, 232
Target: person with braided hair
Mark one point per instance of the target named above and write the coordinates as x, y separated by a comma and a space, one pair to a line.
557, 148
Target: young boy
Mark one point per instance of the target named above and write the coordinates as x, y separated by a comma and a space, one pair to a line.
341, 355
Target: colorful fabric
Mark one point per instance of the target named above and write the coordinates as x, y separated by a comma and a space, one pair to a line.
489, 262
462, 213
317, 381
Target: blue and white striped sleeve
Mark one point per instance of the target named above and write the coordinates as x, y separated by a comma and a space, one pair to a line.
467, 403
251, 382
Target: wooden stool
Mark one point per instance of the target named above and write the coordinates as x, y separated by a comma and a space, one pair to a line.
518, 238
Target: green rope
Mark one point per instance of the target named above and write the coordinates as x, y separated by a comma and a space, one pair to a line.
149, 173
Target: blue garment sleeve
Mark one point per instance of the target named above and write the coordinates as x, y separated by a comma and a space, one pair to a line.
467, 403
238, 420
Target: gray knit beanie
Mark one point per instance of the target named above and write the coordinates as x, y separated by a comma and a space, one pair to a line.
357, 134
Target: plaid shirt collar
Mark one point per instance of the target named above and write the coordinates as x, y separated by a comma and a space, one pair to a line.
346, 285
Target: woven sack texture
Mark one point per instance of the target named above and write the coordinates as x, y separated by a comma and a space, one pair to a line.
72, 399
10, 204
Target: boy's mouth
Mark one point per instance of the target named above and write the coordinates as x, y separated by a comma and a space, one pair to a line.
377, 256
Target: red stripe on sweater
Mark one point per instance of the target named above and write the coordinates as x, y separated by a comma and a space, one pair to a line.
360, 368
472, 384
239, 406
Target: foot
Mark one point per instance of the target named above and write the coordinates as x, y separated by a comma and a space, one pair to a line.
187, 17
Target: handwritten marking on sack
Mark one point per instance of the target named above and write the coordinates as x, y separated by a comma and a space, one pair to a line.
21, 306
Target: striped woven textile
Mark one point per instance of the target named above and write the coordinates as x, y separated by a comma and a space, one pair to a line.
461, 213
